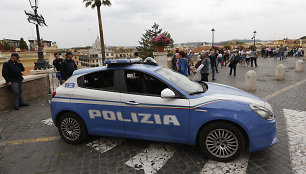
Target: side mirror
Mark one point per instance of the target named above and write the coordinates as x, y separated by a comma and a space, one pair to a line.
167, 93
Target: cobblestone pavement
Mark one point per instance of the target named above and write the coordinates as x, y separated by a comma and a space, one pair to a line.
30, 144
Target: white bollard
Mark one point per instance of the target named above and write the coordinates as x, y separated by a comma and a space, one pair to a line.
250, 81
280, 72
299, 66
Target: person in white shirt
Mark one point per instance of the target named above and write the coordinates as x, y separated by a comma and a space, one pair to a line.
248, 57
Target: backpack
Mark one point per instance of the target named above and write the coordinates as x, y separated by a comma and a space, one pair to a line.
236, 59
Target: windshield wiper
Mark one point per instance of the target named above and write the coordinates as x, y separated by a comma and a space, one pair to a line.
198, 92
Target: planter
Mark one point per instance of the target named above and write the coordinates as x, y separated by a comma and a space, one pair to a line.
160, 48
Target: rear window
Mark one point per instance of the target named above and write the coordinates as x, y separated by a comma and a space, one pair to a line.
102, 80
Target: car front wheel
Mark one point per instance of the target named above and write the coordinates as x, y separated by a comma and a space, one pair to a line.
221, 141
72, 128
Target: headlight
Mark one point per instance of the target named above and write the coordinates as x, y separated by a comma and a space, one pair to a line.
263, 112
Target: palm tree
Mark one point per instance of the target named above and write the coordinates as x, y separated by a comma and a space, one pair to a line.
98, 3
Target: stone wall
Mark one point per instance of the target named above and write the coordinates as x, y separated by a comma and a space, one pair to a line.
34, 86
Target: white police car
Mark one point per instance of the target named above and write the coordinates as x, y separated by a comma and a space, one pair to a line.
133, 100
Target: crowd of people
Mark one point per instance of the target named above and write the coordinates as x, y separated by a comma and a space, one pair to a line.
208, 61
281, 52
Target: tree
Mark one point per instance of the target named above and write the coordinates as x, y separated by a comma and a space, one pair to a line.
23, 44
6, 46
146, 47
98, 4
304, 37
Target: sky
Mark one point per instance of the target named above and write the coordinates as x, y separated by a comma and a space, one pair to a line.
71, 24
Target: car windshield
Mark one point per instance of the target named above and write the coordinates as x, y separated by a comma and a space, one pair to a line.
182, 81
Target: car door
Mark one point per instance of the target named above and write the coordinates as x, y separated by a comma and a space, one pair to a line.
98, 102
148, 116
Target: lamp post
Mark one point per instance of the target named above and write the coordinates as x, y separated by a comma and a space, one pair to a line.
254, 38
213, 35
37, 20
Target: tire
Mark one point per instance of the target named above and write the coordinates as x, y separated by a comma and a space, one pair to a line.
72, 128
221, 141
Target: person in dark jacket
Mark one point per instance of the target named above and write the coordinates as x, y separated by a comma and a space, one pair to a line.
174, 60
67, 67
57, 65
11, 72
234, 59
213, 63
57, 62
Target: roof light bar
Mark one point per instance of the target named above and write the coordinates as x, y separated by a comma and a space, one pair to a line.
123, 61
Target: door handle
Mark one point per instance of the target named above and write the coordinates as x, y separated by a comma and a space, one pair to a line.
131, 103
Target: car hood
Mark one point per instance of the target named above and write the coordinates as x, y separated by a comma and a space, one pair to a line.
219, 91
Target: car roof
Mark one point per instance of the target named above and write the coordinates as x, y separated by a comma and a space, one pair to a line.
140, 67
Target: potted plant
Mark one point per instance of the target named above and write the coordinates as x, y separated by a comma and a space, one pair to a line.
161, 41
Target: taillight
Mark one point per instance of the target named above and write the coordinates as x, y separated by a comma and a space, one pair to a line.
53, 94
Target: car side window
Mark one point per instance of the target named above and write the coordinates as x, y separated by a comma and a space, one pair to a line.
102, 80
141, 83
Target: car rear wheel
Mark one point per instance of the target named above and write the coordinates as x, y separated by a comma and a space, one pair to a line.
72, 128
221, 141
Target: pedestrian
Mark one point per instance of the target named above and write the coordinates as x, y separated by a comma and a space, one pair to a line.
57, 62
254, 57
262, 52
225, 58
216, 53
219, 59
67, 67
248, 57
281, 52
275, 52
243, 57
204, 67
299, 52
189, 58
174, 60
234, 60
12, 73
266, 52
183, 64
57, 65
213, 64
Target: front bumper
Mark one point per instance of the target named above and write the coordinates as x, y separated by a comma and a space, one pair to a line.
263, 136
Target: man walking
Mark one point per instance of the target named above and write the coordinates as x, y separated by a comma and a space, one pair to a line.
11, 72
213, 64
67, 67
253, 57
204, 67
234, 59
281, 52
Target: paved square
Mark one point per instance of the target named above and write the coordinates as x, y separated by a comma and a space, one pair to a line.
29, 142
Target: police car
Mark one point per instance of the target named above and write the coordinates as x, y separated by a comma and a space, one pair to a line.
130, 99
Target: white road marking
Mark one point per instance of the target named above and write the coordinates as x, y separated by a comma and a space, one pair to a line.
296, 126
48, 122
238, 166
105, 144
151, 159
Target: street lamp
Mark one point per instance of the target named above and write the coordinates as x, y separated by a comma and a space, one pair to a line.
254, 37
37, 19
213, 34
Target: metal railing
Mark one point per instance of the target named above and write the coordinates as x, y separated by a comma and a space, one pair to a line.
53, 81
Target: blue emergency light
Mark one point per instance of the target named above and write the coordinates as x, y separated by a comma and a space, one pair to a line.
123, 61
